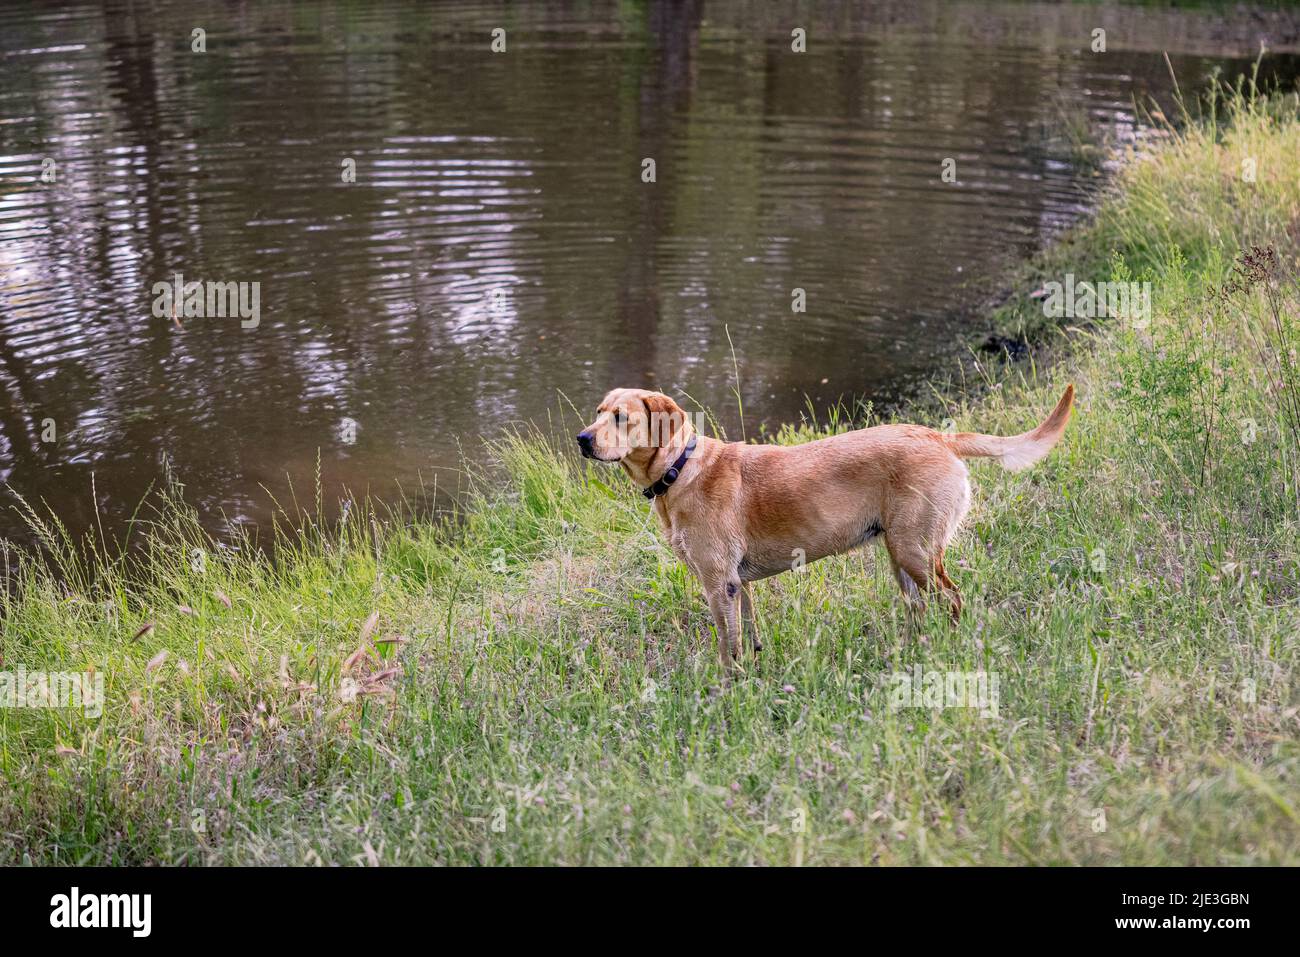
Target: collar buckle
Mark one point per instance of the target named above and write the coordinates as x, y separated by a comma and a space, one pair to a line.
670, 476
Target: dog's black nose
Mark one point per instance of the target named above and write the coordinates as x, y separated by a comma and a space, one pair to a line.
584, 443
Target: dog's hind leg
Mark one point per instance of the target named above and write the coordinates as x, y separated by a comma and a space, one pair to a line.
919, 573
920, 531
950, 592
912, 600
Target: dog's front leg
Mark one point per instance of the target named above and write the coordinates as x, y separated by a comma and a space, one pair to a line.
748, 623
724, 601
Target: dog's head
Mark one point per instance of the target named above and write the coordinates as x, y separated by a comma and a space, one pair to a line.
632, 425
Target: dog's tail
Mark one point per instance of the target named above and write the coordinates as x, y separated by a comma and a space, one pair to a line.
1015, 452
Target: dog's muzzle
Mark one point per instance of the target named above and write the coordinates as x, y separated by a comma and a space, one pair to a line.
584, 443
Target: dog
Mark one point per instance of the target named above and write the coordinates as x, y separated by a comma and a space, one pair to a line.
736, 513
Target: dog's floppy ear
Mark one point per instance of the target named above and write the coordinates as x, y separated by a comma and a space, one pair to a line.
665, 418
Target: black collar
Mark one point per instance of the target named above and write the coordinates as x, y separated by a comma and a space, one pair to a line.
674, 470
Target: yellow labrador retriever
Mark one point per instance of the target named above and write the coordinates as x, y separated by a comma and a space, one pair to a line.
735, 513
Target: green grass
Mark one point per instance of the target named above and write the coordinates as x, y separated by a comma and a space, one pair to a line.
536, 683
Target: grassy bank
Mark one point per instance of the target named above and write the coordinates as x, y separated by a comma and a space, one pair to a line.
538, 684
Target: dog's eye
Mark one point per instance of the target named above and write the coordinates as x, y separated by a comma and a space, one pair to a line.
620, 416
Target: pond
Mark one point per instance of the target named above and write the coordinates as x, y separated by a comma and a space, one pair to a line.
436, 222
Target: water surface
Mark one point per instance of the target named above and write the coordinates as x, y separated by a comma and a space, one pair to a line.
499, 247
